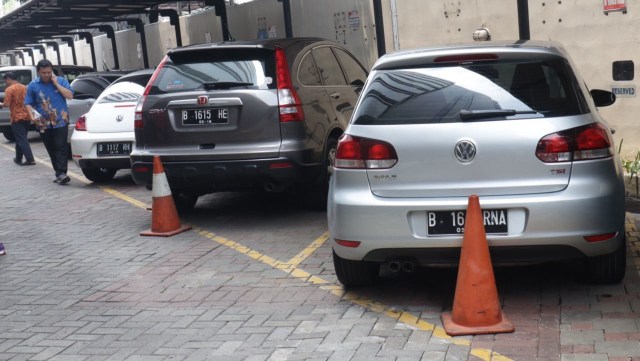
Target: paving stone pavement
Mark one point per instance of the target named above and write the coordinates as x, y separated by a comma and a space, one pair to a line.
80, 283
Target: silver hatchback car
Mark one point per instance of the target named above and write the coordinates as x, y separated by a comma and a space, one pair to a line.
510, 122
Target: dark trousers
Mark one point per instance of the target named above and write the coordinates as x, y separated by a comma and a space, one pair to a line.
55, 140
23, 148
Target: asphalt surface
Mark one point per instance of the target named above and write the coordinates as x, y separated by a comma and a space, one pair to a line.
254, 280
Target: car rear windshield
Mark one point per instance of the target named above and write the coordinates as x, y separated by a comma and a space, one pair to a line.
479, 91
24, 77
216, 69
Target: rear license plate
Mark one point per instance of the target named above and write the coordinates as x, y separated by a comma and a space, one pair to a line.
205, 116
107, 149
452, 222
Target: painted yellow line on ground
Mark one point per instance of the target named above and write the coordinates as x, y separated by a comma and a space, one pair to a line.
305, 253
402, 317
125, 197
48, 163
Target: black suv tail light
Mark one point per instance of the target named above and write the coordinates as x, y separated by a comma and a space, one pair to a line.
138, 122
587, 142
288, 99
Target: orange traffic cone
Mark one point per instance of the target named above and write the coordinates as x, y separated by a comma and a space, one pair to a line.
476, 309
164, 216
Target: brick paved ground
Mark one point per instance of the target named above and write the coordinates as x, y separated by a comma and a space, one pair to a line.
79, 283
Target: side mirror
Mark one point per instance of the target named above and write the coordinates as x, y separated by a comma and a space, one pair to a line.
358, 84
602, 98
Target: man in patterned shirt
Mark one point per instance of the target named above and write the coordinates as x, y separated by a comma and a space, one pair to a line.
48, 94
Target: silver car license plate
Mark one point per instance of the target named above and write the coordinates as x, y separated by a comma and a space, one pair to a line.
452, 222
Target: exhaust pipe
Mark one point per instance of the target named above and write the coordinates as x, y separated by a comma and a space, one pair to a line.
408, 266
394, 266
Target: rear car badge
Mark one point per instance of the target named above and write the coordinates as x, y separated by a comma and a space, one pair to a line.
203, 100
465, 151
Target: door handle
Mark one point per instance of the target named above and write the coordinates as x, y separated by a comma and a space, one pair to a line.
335, 95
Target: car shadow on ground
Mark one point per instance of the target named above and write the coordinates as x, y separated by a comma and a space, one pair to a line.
632, 205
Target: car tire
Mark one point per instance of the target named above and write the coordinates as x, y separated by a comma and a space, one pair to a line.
318, 193
355, 273
608, 268
184, 201
99, 175
8, 134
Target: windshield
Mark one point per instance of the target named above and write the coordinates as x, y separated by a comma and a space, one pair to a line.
485, 91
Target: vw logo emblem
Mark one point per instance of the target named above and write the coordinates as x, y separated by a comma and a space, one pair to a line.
119, 118
203, 100
465, 151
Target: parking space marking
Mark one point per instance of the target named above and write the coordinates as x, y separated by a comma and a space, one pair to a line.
353, 297
305, 253
126, 198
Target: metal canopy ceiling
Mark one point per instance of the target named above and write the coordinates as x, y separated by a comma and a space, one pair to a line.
42, 19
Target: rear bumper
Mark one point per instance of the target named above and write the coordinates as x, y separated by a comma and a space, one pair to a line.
545, 226
273, 174
107, 162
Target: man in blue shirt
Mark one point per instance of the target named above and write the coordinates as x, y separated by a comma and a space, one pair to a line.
47, 95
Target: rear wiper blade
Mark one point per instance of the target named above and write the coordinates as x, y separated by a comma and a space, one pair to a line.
491, 113
224, 85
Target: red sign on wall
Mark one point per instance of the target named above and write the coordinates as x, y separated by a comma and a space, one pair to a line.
615, 5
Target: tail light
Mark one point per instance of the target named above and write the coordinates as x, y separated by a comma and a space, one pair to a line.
288, 99
81, 123
138, 122
363, 153
583, 143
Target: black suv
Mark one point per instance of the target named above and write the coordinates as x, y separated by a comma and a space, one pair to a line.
241, 115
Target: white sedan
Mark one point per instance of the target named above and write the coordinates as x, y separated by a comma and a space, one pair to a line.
103, 137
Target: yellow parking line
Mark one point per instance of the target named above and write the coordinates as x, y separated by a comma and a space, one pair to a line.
125, 197
305, 253
337, 290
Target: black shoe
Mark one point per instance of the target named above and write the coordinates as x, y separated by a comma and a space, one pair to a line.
63, 179
16, 161
29, 163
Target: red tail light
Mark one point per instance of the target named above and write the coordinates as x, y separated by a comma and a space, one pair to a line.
600, 237
288, 99
350, 244
583, 143
138, 122
81, 123
363, 153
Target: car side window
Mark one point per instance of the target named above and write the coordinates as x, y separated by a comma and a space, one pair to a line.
330, 70
308, 71
356, 75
